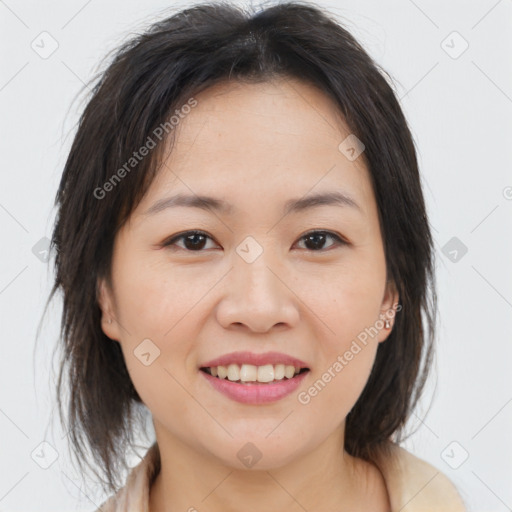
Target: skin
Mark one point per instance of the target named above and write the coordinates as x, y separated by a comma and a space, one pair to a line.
254, 146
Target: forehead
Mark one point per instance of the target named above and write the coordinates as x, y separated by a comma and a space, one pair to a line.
269, 113
265, 139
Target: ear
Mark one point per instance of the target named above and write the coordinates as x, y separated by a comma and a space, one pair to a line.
109, 324
388, 310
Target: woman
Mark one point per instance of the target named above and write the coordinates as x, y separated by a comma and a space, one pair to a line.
243, 249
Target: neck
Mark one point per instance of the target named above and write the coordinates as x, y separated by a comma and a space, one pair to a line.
326, 478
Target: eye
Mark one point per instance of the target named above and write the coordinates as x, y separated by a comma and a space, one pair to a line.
192, 240
195, 241
315, 240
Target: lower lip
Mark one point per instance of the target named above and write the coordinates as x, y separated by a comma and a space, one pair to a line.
253, 393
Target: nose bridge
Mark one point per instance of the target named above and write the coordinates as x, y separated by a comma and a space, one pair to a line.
256, 296
255, 281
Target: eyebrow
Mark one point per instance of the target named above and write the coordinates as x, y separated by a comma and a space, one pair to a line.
218, 205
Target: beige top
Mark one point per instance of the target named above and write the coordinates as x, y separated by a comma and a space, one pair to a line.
413, 486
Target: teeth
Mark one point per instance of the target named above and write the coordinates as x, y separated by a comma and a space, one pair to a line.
279, 371
251, 373
233, 372
265, 373
289, 371
248, 372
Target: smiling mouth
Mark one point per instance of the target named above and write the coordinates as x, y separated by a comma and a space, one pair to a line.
252, 375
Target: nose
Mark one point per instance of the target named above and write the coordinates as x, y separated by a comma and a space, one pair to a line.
257, 297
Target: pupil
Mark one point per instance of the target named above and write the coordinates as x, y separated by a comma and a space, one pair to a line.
194, 245
319, 240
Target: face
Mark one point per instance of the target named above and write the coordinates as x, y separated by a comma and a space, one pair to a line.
264, 274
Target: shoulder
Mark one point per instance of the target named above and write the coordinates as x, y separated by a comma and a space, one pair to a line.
414, 485
135, 493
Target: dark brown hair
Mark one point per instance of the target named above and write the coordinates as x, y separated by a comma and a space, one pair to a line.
148, 78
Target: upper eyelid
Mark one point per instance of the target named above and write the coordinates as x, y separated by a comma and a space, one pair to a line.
182, 235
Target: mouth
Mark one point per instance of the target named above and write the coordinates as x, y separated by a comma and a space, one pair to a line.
255, 375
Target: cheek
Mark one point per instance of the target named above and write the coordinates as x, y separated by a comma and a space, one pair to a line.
337, 384
156, 311
153, 299
347, 341
348, 303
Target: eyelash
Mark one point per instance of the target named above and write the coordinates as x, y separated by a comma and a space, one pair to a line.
172, 241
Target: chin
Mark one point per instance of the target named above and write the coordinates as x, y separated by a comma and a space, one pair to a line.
257, 452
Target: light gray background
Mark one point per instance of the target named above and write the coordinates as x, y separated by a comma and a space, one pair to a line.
459, 109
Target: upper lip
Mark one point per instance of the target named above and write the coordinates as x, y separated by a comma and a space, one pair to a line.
255, 359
